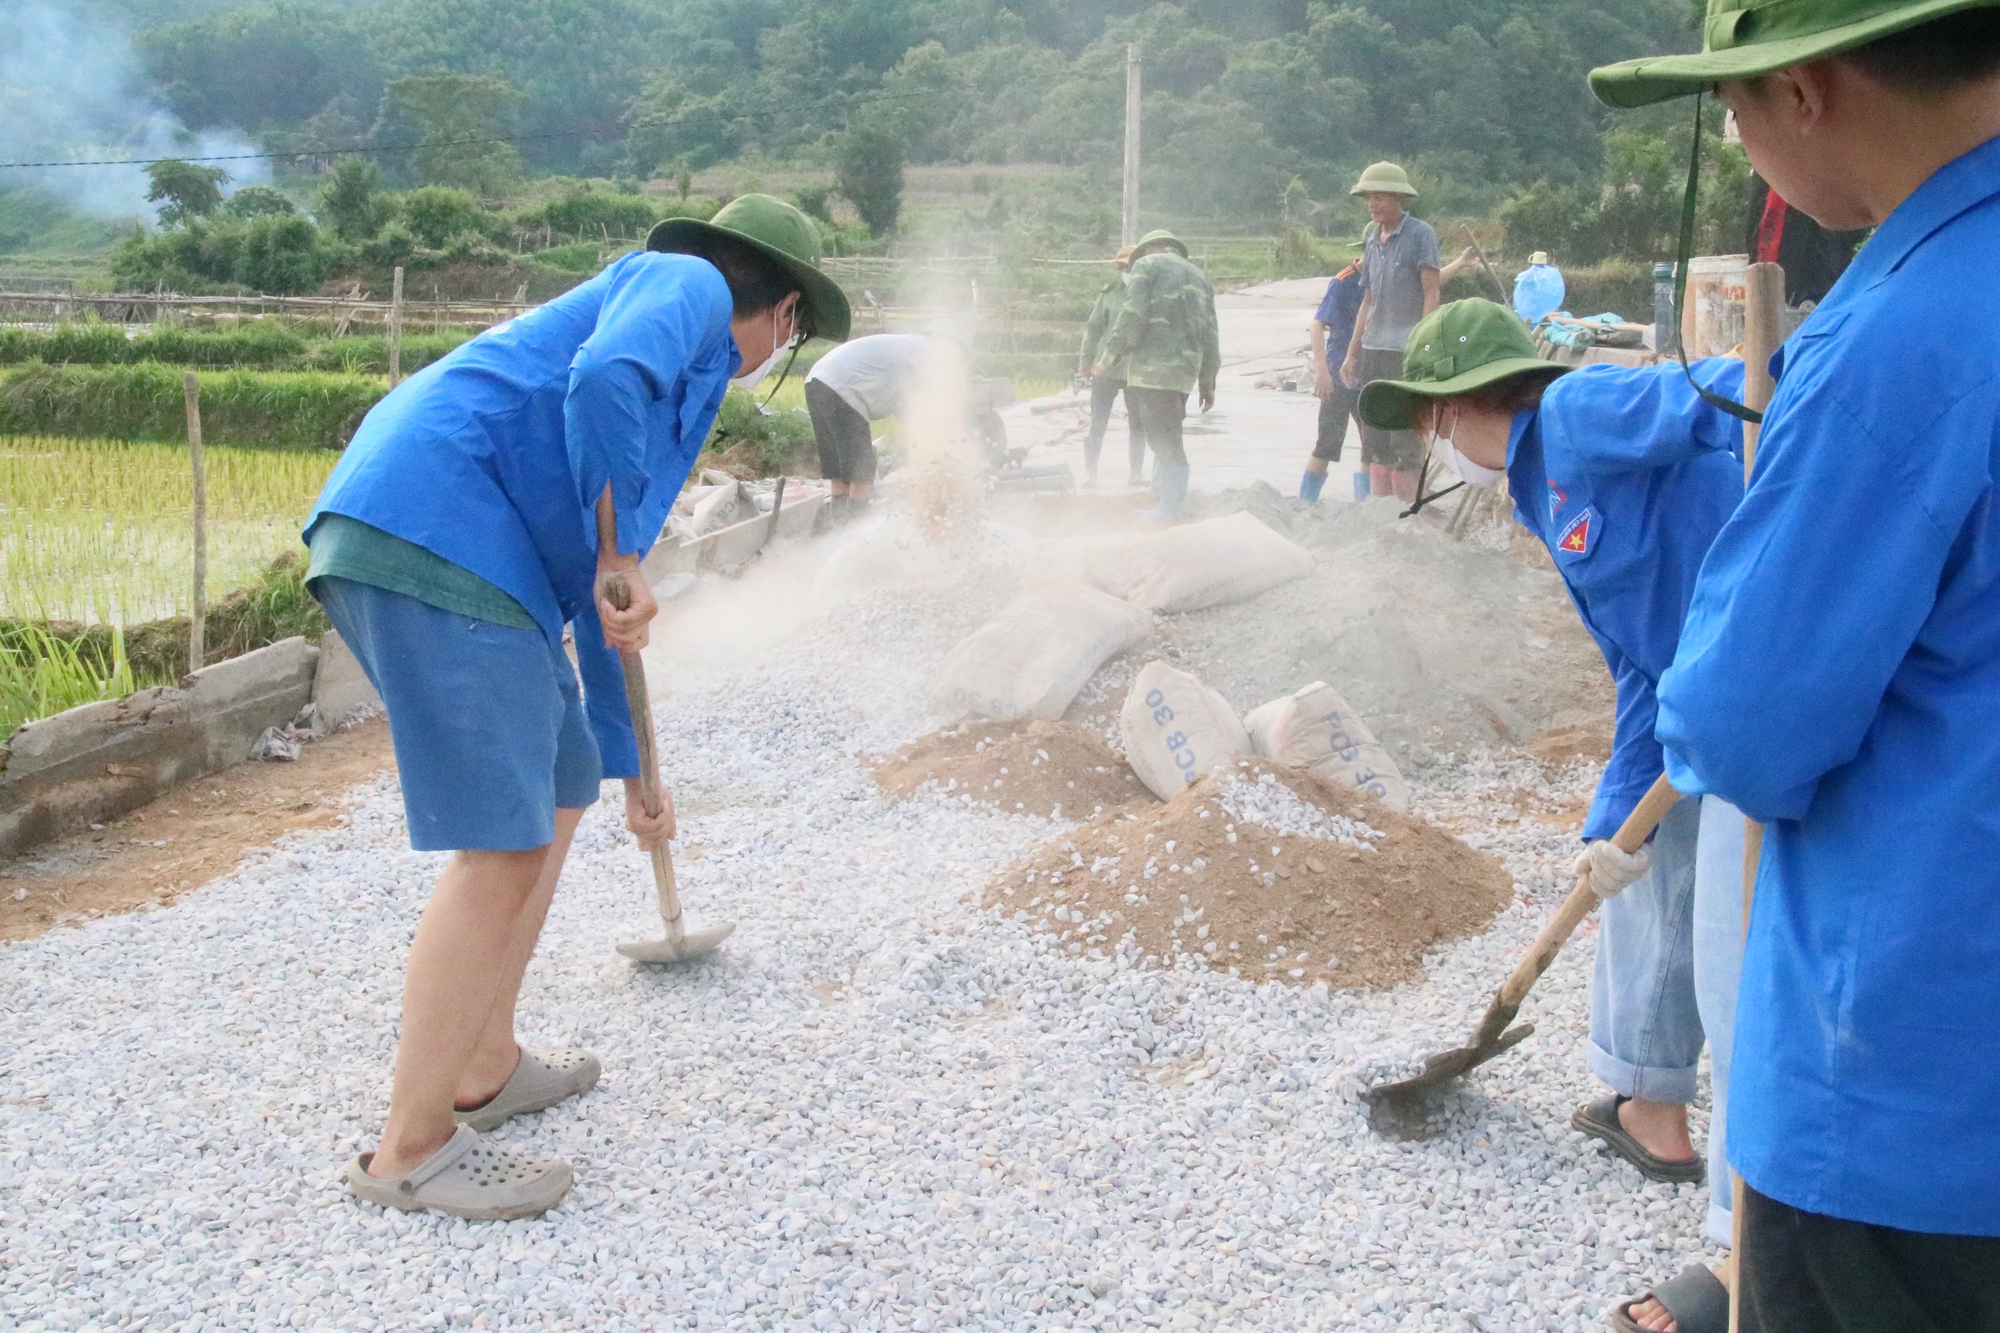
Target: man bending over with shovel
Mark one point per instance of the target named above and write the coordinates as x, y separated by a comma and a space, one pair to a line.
452, 544
1626, 475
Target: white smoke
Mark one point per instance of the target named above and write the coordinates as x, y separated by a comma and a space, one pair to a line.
72, 90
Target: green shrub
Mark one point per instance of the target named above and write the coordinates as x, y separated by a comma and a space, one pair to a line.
260, 347
297, 410
436, 213
776, 436
582, 211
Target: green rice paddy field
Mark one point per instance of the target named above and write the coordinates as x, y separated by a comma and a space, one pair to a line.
99, 531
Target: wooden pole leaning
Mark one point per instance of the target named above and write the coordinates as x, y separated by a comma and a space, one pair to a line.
1763, 334
396, 330
198, 621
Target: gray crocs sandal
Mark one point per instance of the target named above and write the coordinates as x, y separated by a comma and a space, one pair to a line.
1599, 1119
537, 1083
1696, 1299
468, 1178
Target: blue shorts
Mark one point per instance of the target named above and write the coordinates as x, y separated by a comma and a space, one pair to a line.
487, 720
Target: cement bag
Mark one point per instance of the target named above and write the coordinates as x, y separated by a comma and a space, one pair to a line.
1316, 729
1176, 729
723, 507
1203, 564
1032, 658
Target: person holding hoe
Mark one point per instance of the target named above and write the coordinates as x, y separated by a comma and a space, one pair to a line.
455, 540
1626, 475
1838, 677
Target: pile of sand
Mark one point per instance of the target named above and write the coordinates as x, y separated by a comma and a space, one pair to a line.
1265, 871
1030, 767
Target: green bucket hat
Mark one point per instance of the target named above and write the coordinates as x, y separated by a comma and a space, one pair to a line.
1456, 349
1385, 178
782, 234
1741, 39
1152, 240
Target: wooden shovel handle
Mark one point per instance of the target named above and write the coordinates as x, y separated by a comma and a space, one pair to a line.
1631, 836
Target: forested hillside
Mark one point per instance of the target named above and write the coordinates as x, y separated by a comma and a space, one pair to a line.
1482, 97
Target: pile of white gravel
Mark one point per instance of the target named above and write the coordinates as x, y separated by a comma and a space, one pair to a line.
879, 1108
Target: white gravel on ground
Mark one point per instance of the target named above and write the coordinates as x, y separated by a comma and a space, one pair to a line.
878, 1108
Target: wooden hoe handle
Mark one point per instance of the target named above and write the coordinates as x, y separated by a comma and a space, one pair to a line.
618, 592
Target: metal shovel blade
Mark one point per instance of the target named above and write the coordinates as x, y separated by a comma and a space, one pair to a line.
695, 944
1444, 1067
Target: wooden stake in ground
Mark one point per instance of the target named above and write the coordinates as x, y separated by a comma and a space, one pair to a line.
198, 622
1128, 230
1763, 332
396, 330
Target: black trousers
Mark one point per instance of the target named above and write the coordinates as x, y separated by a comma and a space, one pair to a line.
1397, 449
1808, 1273
1104, 393
1160, 413
846, 449
1334, 411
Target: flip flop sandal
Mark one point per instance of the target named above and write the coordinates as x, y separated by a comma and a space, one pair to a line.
468, 1178
537, 1083
1696, 1299
1599, 1119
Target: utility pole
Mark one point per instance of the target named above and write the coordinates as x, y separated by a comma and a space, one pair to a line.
1128, 233
198, 622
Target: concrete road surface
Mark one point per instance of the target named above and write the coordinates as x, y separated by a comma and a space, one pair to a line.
1254, 434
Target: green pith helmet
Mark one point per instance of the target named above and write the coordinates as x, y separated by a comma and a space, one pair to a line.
1154, 240
1741, 39
1456, 349
1385, 178
782, 234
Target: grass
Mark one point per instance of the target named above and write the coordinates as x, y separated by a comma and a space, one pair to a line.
42, 674
271, 410
258, 347
98, 531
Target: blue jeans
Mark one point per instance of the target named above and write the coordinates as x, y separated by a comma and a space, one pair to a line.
1669, 950
1718, 963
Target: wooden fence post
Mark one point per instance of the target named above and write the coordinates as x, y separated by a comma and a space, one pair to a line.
396, 330
198, 622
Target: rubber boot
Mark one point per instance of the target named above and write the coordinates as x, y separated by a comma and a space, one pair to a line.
1405, 484
1310, 485
1361, 485
1136, 450
1378, 480
1170, 482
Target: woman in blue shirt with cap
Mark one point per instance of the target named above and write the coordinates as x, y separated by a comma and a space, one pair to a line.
455, 540
1626, 475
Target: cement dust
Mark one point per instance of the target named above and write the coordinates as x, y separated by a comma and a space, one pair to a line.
1028, 767
1356, 904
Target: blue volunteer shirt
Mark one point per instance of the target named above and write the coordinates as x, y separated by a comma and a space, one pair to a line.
1338, 310
1839, 678
494, 456
1627, 475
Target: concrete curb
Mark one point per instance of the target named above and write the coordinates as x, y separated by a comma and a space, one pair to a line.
102, 760
728, 549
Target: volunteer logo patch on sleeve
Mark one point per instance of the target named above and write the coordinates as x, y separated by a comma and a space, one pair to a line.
1581, 535
1558, 497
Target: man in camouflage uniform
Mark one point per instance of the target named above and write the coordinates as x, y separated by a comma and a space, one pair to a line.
1105, 388
1166, 336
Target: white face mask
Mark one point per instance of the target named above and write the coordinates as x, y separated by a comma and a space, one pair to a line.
1125, 278
749, 379
1448, 456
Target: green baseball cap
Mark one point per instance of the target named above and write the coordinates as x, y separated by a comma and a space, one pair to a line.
1456, 349
782, 234
1741, 39
1153, 240
1385, 178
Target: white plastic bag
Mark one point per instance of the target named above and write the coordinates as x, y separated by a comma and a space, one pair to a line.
1317, 729
1032, 658
1202, 564
1176, 729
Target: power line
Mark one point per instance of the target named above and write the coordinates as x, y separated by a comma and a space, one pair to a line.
594, 131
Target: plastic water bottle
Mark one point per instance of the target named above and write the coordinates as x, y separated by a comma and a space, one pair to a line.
1666, 329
